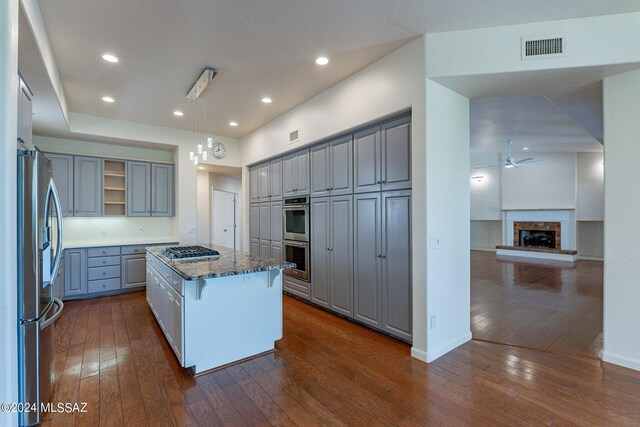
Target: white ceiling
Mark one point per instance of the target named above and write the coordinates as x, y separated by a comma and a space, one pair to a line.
259, 49
535, 122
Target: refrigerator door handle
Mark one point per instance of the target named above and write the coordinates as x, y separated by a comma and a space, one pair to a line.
60, 306
58, 208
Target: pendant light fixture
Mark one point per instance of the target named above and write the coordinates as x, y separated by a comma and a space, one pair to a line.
200, 125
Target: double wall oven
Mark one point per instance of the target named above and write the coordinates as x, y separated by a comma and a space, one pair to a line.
295, 212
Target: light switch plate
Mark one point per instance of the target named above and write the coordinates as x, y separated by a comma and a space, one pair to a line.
192, 230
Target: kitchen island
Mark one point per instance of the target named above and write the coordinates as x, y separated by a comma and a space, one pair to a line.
215, 312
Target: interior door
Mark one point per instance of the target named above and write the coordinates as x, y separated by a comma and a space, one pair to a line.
223, 218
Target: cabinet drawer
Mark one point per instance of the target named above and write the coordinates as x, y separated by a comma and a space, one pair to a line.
103, 261
110, 251
97, 273
103, 285
133, 250
296, 287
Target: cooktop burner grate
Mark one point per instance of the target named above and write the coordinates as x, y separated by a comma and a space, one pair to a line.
190, 252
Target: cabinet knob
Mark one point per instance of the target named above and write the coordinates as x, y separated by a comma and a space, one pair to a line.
104, 273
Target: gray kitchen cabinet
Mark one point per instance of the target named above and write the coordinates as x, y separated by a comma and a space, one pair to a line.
87, 186
75, 272
275, 178
25, 117
341, 164
265, 221
254, 221
295, 174
332, 168
138, 189
367, 241
320, 248
58, 281
276, 251
320, 170
254, 189
276, 221
396, 154
254, 247
296, 287
341, 254
382, 157
62, 173
332, 253
396, 264
366, 160
302, 173
382, 261
265, 249
134, 269
162, 190
264, 183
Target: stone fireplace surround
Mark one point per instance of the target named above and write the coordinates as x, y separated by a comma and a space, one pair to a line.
562, 221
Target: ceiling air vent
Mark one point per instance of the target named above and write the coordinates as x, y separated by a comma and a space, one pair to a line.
294, 136
547, 47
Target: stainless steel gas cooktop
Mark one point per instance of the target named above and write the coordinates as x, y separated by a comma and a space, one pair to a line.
179, 253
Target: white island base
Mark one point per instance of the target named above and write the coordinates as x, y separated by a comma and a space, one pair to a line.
214, 322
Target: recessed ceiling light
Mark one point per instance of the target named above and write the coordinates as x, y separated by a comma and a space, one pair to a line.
109, 58
525, 148
267, 100
108, 99
234, 124
322, 60
178, 113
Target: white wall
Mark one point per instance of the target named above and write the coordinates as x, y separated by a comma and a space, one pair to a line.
486, 193
590, 187
179, 140
91, 148
447, 216
600, 40
622, 228
486, 235
590, 239
550, 185
389, 85
117, 230
205, 183
8, 198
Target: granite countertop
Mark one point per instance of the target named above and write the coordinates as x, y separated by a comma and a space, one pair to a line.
116, 242
230, 263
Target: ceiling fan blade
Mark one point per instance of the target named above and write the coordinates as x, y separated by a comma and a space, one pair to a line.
489, 166
531, 162
528, 159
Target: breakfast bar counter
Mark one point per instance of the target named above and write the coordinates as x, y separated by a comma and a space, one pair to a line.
217, 309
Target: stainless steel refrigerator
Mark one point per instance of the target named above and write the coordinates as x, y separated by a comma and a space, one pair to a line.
39, 252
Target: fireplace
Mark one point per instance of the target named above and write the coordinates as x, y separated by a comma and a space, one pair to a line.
537, 239
537, 234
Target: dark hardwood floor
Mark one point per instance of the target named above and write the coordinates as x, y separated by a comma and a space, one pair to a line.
325, 371
537, 304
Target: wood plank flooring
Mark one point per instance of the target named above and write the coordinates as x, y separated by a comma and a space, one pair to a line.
111, 354
538, 304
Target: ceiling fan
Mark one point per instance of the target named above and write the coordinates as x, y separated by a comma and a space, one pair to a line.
510, 162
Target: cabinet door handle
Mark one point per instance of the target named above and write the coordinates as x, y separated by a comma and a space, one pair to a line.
328, 188
378, 182
379, 256
383, 256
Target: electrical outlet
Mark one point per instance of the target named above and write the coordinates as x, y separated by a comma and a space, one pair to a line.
141, 228
103, 230
192, 230
432, 322
435, 242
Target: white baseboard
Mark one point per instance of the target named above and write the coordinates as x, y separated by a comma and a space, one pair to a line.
418, 354
590, 258
537, 255
475, 248
433, 355
622, 361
